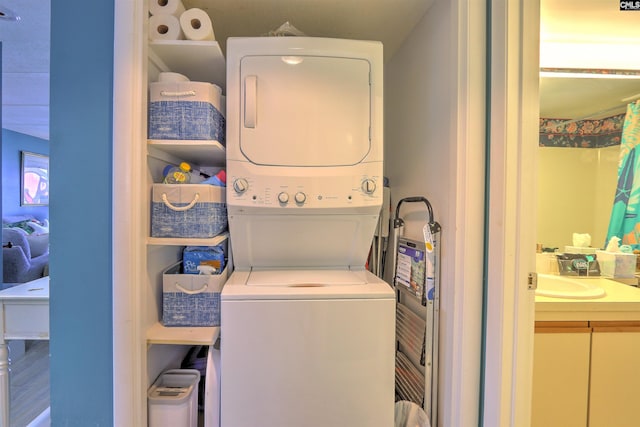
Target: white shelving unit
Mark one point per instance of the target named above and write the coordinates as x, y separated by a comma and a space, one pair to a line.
195, 152
159, 334
201, 61
204, 62
213, 241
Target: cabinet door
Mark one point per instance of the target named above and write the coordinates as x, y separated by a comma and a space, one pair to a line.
615, 377
560, 375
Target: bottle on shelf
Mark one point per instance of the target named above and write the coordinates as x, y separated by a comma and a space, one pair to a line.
178, 174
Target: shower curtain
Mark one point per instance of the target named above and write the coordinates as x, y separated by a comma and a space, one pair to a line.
625, 215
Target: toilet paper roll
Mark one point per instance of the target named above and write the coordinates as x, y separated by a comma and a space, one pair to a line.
166, 7
165, 27
197, 25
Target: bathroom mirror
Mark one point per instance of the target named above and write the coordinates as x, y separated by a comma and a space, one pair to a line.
581, 112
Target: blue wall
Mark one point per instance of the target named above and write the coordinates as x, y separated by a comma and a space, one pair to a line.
80, 213
12, 144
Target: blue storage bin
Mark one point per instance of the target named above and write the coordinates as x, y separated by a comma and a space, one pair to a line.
186, 111
191, 299
188, 210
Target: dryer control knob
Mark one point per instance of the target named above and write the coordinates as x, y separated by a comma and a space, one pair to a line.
283, 198
300, 197
240, 185
368, 186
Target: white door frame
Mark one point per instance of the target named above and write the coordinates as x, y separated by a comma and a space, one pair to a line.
510, 308
511, 218
129, 231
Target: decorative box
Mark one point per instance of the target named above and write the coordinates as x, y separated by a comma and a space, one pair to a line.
188, 210
186, 111
617, 264
191, 299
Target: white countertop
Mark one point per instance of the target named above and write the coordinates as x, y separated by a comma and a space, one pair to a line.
36, 289
621, 302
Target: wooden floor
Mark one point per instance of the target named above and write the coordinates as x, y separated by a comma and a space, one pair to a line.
29, 379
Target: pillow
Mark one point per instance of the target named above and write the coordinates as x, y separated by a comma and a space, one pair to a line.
16, 218
37, 228
29, 226
38, 243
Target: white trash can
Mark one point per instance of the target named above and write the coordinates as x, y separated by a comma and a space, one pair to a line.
173, 399
408, 414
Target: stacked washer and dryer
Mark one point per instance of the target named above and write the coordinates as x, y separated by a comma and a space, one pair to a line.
307, 332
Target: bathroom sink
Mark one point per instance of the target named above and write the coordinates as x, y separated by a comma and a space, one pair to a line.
567, 287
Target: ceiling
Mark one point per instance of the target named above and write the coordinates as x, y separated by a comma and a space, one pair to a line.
25, 56
25, 67
594, 24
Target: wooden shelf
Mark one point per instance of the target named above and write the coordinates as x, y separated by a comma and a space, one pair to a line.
188, 241
159, 334
200, 61
201, 152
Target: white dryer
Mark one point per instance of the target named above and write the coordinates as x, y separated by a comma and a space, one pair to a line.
307, 334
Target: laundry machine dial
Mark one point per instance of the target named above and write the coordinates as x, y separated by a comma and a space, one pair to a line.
300, 197
283, 198
240, 185
368, 186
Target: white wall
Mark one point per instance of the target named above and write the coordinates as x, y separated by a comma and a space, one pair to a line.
434, 147
575, 193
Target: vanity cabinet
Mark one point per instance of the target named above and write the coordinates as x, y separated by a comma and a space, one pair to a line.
584, 374
560, 374
615, 377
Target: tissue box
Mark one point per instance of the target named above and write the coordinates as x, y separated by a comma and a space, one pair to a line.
617, 264
188, 210
191, 299
186, 111
579, 250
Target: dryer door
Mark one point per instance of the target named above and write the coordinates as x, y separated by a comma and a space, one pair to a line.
305, 110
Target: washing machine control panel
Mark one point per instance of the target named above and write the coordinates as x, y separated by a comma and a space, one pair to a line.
294, 192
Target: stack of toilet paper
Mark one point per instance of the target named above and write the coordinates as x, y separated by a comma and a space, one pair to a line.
170, 20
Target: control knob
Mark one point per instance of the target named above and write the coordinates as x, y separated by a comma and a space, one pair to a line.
240, 185
368, 186
283, 198
300, 197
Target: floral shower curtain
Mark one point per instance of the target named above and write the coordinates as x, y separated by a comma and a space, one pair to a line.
625, 215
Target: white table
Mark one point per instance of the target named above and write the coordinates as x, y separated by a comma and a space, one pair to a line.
24, 315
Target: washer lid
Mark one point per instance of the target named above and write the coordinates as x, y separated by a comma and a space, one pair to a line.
305, 284
306, 278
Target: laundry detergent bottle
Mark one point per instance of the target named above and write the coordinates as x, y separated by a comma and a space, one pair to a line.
178, 175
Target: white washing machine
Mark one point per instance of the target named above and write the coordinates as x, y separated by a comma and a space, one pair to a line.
307, 333
307, 348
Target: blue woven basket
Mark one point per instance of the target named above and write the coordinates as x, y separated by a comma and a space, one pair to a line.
180, 309
191, 299
188, 120
188, 210
186, 111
